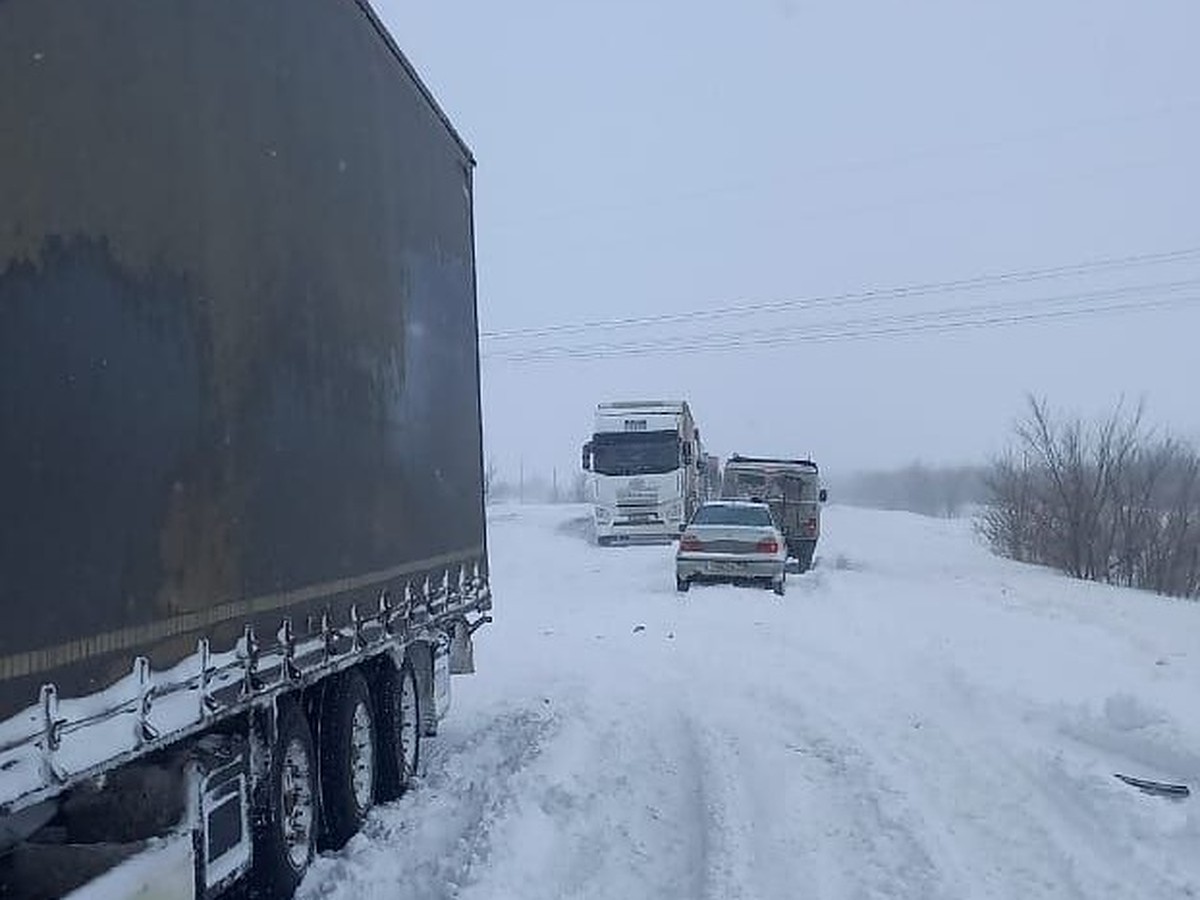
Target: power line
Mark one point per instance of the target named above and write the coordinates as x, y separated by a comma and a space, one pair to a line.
787, 339
1021, 276
1083, 299
991, 320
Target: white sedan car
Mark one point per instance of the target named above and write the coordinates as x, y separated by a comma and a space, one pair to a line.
732, 541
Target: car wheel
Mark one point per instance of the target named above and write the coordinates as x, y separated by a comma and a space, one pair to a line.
682, 584
780, 585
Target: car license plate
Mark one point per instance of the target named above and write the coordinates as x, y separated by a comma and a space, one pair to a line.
728, 568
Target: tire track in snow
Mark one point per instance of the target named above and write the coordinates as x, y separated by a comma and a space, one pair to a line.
923, 783
583, 803
871, 844
610, 810
431, 842
796, 752
999, 818
973, 803
790, 811
727, 864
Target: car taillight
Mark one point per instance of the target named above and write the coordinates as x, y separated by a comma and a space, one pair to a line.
768, 545
690, 542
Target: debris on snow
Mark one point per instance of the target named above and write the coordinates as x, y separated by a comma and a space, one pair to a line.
1157, 788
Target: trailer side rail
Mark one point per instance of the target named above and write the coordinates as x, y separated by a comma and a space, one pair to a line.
55, 744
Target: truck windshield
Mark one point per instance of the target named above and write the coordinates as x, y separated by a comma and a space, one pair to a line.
750, 484
635, 453
804, 489
771, 485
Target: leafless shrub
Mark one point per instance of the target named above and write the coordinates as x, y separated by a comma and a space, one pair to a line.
1010, 518
1107, 501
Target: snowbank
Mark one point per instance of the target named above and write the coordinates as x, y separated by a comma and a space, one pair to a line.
916, 718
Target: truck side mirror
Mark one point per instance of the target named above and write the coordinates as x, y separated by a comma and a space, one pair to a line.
824, 495
586, 454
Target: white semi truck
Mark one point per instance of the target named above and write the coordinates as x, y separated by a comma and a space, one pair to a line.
646, 463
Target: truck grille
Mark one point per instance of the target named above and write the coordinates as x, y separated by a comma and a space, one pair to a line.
638, 501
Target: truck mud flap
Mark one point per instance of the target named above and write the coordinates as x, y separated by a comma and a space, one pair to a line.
221, 838
462, 649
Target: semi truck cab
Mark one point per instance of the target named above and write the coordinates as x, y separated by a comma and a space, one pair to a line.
646, 463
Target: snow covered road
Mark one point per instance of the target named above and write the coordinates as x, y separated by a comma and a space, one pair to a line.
914, 719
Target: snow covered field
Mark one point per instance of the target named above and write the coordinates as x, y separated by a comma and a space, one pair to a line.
914, 719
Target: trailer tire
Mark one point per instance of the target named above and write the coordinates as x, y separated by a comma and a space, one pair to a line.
349, 762
398, 729
285, 836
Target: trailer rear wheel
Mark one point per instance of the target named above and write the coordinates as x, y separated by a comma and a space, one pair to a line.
348, 759
398, 731
805, 551
285, 838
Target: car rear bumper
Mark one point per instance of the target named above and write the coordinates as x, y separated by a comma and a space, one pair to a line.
702, 567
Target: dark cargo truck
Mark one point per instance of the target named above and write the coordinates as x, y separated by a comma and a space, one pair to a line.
242, 539
792, 488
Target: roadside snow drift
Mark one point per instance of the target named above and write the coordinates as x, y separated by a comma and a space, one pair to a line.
915, 719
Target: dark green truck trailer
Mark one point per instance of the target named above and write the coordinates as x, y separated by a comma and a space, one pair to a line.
792, 488
241, 504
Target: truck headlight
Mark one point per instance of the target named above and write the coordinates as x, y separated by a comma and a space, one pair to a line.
603, 515
675, 510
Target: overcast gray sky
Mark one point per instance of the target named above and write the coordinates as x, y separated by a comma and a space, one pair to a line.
655, 157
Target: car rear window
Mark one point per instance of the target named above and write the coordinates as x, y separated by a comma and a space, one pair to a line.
717, 514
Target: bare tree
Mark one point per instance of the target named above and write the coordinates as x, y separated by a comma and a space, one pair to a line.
1108, 502
1083, 468
1173, 566
1010, 520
